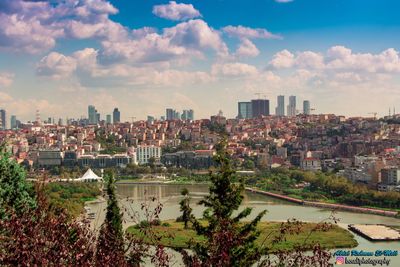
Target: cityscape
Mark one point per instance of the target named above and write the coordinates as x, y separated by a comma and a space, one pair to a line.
199, 133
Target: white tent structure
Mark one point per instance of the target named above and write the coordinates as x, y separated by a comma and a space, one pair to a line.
89, 176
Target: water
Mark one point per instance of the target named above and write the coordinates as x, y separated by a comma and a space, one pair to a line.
278, 210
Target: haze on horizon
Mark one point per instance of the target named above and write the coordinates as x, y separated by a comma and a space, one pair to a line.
59, 56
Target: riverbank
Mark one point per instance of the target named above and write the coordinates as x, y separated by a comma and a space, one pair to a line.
326, 205
175, 236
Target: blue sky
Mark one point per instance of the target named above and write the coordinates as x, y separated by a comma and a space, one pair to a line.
144, 56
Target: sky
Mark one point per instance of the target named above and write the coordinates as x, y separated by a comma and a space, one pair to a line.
144, 56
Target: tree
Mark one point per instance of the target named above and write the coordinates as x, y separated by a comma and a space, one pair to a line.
110, 243
15, 192
185, 208
229, 242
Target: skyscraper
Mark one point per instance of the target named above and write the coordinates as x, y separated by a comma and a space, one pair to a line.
3, 118
259, 107
13, 122
191, 114
116, 116
280, 108
170, 114
244, 110
92, 114
306, 107
291, 108
108, 119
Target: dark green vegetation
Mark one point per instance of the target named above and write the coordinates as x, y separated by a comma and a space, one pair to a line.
324, 187
71, 196
176, 236
109, 143
15, 192
228, 241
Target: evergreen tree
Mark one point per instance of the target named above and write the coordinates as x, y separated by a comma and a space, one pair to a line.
15, 192
185, 208
229, 242
110, 244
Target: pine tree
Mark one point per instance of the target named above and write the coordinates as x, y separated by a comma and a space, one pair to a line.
110, 244
229, 242
185, 208
15, 192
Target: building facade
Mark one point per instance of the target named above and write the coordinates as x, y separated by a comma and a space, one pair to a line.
144, 153
116, 116
260, 107
291, 108
244, 110
280, 108
306, 107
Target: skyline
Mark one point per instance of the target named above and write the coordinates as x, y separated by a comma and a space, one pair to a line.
60, 56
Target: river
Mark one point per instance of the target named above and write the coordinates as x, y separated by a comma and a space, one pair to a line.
277, 210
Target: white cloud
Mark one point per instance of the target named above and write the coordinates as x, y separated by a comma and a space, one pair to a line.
283, 59
249, 33
233, 69
247, 49
56, 66
284, 1
175, 11
6, 79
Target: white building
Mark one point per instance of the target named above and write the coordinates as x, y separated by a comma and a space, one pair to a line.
144, 153
390, 176
310, 164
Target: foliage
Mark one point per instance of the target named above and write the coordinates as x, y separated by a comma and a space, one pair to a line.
228, 241
110, 243
185, 208
39, 237
71, 196
15, 192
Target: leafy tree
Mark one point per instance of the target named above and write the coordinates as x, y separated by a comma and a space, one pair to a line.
185, 208
15, 192
110, 244
229, 242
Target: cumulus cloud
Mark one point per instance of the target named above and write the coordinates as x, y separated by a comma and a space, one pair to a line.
175, 11
56, 66
284, 1
6, 79
185, 40
247, 49
249, 33
35, 26
339, 58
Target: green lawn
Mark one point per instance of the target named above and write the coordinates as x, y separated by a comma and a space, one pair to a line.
175, 236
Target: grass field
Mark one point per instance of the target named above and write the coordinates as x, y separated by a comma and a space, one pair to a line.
174, 235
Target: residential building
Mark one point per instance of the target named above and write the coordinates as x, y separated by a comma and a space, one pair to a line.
13, 124
145, 152
310, 164
108, 119
390, 176
170, 114
49, 158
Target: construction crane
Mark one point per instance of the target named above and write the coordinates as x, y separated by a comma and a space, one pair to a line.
373, 113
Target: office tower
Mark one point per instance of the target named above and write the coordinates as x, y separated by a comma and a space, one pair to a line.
92, 114
177, 115
60, 122
244, 110
306, 107
259, 107
13, 122
116, 116
291, 108
170, 113
190, 114
280, 108
108, 119
150, 119
97, 117
3, 124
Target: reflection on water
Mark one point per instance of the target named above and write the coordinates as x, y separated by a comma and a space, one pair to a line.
278, 210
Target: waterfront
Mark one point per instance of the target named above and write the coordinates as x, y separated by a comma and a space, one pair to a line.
278, 210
